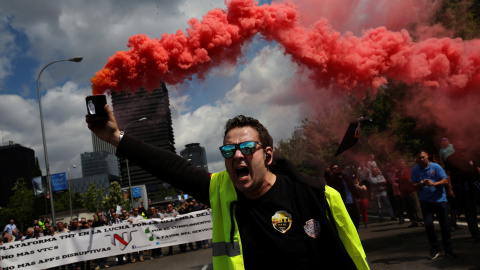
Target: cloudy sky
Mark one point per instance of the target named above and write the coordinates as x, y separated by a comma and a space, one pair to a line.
264, 85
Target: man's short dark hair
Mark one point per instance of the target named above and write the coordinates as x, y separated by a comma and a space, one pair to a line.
421, 151
240, 121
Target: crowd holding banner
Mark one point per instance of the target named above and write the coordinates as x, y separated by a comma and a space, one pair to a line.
100, 242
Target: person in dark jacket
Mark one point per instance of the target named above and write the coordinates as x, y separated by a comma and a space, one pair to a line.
343, 183
462, 168
284, 218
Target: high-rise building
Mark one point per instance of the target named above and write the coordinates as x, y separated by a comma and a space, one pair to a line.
99, 145
81, 185
196, 155
100, 162
16, 161
99, 168
157, 130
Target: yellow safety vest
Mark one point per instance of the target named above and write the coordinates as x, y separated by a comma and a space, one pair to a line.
227, 252
346, 229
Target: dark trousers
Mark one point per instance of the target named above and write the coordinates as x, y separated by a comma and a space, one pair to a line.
398, 207
441, 211
157, 252
466, 197
120, 259
101, 262
352, 210
412, 207
85, 265
183, 247
452, 211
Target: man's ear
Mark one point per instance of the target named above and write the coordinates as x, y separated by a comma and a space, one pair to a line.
268, 155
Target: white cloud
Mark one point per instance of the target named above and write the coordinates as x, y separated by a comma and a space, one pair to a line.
65, 129
92, 29
265, 91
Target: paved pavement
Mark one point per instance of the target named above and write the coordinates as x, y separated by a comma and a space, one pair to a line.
388, 245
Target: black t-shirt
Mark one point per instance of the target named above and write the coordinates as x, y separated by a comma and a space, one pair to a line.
460, 168
264, 246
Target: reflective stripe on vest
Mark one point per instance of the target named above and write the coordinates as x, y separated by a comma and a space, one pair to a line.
230, 256
227, 252
226, 249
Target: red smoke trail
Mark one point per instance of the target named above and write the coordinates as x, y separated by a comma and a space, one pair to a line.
347, 60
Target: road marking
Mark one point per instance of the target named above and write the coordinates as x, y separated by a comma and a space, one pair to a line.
205, 267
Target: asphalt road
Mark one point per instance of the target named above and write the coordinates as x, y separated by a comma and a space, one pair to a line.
192, 260
388, 245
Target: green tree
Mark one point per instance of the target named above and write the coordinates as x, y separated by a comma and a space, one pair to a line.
61, 201
392, 134
20, 206
115, 198
93, 198
77, 201
162, 193
461, 16
41, 205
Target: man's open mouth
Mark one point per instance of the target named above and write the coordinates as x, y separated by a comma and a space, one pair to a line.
242, 172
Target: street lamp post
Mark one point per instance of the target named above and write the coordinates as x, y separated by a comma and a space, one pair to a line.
70, 190
47, 167
128, 170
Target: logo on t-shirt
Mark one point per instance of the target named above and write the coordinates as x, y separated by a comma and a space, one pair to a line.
432, 172
282, 221
312, 228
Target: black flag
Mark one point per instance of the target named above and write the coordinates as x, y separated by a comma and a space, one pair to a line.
351, 136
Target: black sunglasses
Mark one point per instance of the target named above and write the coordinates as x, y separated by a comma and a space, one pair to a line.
247, 148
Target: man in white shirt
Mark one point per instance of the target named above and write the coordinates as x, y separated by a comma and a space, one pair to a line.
10, 227
378, 184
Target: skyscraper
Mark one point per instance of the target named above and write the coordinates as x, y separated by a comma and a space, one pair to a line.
100, 162
196, 155
16, 161
156, 130
99, 145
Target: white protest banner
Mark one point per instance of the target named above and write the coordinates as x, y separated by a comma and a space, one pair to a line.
106, 241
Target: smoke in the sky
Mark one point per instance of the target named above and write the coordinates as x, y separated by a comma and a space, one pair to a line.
345, 59
369, 46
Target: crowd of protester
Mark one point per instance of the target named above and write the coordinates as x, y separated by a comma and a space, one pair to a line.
452, 175
389, 184
42, 227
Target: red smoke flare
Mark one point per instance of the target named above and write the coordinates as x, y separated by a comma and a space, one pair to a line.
347, 60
